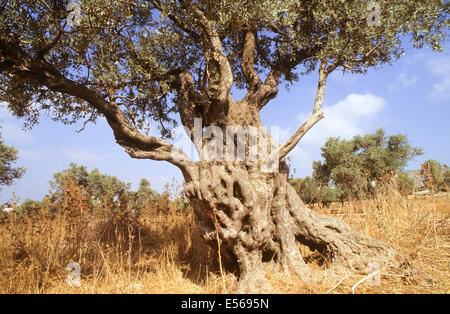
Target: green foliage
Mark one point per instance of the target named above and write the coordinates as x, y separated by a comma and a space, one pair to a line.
103, 191
131, 48
29, 205
406, 184
8, 156
447, 177
143, 198
355, 166
98, 184
311, 191
306, 188
434, 177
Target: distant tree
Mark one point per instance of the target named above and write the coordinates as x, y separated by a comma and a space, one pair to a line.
447, 177
29, 205
8, 156
405, 183
101, 185
357, 165
333, 194
306, 189
79, 175
311, 191
434, 177
144, 189
98, 184
143, 198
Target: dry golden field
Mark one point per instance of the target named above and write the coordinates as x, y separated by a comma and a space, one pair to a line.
160, 252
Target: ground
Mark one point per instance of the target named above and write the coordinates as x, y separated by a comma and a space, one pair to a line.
161, 252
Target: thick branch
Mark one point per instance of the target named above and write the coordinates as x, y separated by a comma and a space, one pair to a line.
215, 53
190, 103
171, 154
269, 89
248, 61
323, 74
316, 116
16, 61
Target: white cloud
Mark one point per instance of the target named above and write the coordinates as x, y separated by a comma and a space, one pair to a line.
440, 67
347, 118
81, 154
403, 81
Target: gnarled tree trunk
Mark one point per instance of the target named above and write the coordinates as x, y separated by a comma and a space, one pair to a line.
257, 216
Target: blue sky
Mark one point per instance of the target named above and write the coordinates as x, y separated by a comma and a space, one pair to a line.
410, 97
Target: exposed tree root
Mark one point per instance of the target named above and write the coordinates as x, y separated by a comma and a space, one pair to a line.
260, 217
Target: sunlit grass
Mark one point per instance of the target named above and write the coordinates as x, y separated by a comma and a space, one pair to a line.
159, 251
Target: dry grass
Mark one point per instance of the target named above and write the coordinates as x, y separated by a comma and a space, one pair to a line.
160, 252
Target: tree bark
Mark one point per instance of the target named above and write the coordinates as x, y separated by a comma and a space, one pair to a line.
259, 217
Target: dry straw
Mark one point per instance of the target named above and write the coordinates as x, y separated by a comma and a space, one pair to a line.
157, 248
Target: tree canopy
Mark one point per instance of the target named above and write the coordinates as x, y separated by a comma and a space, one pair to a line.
140, 61
311, 191
8, 156
98, 184
434, 176
356, 165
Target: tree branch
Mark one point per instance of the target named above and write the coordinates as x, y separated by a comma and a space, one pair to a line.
45, 50
248, 60
213, 46
316, 115
16, 61
177, 21
269, 89
190, 103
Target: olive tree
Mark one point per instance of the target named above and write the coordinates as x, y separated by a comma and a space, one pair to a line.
98, 184
137, 62
356, 166
434, 177
8, 156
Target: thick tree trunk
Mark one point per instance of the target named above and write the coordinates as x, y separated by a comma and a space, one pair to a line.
257, 217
